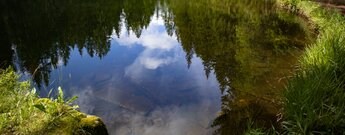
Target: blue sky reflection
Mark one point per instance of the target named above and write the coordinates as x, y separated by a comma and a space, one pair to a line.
143, 86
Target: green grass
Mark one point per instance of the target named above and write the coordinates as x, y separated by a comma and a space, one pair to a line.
254, 130
314, 100
23, 112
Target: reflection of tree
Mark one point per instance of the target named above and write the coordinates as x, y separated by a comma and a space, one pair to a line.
138, 14
247, 44
5, 48
44, 32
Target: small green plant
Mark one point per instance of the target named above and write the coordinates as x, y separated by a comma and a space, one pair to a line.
23, 112
58, 102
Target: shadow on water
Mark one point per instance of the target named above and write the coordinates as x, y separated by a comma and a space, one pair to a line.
45, 32
249, 46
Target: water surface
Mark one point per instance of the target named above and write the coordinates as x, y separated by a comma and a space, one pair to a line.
148, 67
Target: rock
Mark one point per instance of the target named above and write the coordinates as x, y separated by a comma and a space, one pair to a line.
93, 125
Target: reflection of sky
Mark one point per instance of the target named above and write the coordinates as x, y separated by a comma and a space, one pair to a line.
143, 86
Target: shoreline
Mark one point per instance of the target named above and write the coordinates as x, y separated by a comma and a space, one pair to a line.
313, 101
22, 111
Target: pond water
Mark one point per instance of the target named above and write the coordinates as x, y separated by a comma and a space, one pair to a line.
148, 67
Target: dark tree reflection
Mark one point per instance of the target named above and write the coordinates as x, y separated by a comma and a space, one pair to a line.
249, 45
45, 32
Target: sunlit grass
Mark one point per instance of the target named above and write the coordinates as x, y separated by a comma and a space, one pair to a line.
23, 112
314, 100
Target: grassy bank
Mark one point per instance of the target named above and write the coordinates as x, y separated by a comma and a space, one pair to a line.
23, 112
314, 99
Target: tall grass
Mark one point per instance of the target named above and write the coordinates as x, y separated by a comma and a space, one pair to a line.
314, 100
23, 112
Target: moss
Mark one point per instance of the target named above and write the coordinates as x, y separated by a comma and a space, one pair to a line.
93, 125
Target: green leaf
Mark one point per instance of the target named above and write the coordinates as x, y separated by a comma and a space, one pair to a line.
72, 99
50, 92
40, 107
33, 91
75, 106
60, 96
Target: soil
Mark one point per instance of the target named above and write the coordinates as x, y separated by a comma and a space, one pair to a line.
340, 7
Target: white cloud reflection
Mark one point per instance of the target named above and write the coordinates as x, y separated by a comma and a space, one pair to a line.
186, 119
139, 102
156, 43
124, 111
153, 63
171, 120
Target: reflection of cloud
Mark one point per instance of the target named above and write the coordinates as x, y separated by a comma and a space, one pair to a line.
149, 39
85, 99
149, 59
160, 48
154, 37
153, 63
177, 119
171, 120
208, 87
152, 59
146, 101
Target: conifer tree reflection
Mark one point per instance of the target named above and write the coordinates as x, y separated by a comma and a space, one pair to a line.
248, 45
45, 32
